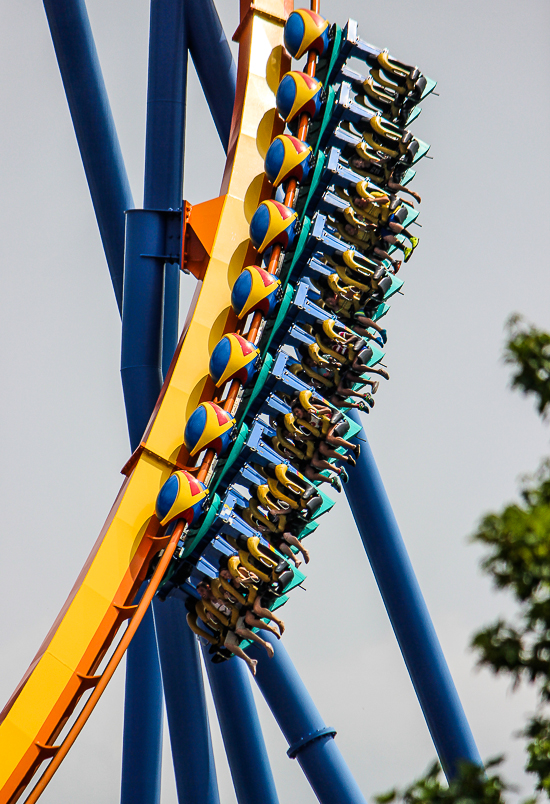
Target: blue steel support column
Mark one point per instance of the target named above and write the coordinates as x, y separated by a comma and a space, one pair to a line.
143, 723
94, 127
241, 731
185, 704
164, 144
311, 741
213, 62
408, 613
145, 326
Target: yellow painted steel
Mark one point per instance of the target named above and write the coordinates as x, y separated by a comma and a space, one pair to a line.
118, 563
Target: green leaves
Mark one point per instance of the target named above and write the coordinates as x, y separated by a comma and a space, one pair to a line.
528, 351
473, 785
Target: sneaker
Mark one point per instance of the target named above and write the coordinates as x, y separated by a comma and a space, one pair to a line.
408, 253
397, 265
383, 373
363, 408
384, 336
357, 450
351, 461
375, 387
377, 339
344, 475
370, 401
335, 483
414, 242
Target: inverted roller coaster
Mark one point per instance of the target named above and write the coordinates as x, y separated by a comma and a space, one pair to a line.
296, 263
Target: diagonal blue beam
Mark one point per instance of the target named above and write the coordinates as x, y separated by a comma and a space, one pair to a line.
94, 127
213, 62
311, 741
241, 731
192, 755
408, 613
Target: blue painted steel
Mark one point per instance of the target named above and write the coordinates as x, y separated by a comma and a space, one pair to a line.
142, 724
142, 318
407, 610
94, 127
213, 62
192, 755
299, 719
241, 732
164, 142
151, 296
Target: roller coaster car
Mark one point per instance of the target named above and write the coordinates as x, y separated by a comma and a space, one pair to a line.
407, 78
363, 239
214, 639
384, 136
393, 107
273, 493
291, 480
379, 169
244, 595
264, 563
356, 279
283, 445
328, 379
257, 520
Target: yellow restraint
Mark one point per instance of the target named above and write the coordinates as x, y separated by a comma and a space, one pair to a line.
280, 443
362, 239
326, 381
279, 494
247, 561
352, 281
275, 527
359, 263
369, 138
385, 82
375, 92
196, 629
282, 475
212, 621
343, 359
329, 325
230, 589
261, 552
266, 499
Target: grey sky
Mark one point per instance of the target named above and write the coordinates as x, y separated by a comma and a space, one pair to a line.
450, 439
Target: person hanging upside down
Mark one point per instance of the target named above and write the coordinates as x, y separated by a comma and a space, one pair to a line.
377, 172
389, 228
233, 638
245, 581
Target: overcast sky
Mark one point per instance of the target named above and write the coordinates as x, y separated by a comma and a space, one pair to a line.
449, 437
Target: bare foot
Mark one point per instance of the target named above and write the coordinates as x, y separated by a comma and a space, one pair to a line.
252, 664
269, 649
297, 562
305, 555
281, 626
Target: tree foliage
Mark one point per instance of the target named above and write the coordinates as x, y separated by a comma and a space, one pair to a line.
517, 559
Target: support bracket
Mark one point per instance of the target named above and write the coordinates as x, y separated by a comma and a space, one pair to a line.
167, 226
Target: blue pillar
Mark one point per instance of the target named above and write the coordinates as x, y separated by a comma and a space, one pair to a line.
146, 327
164, 143
213, 62
94, 127
143, 723
311, 741
241, 731
408, 613
185, 704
